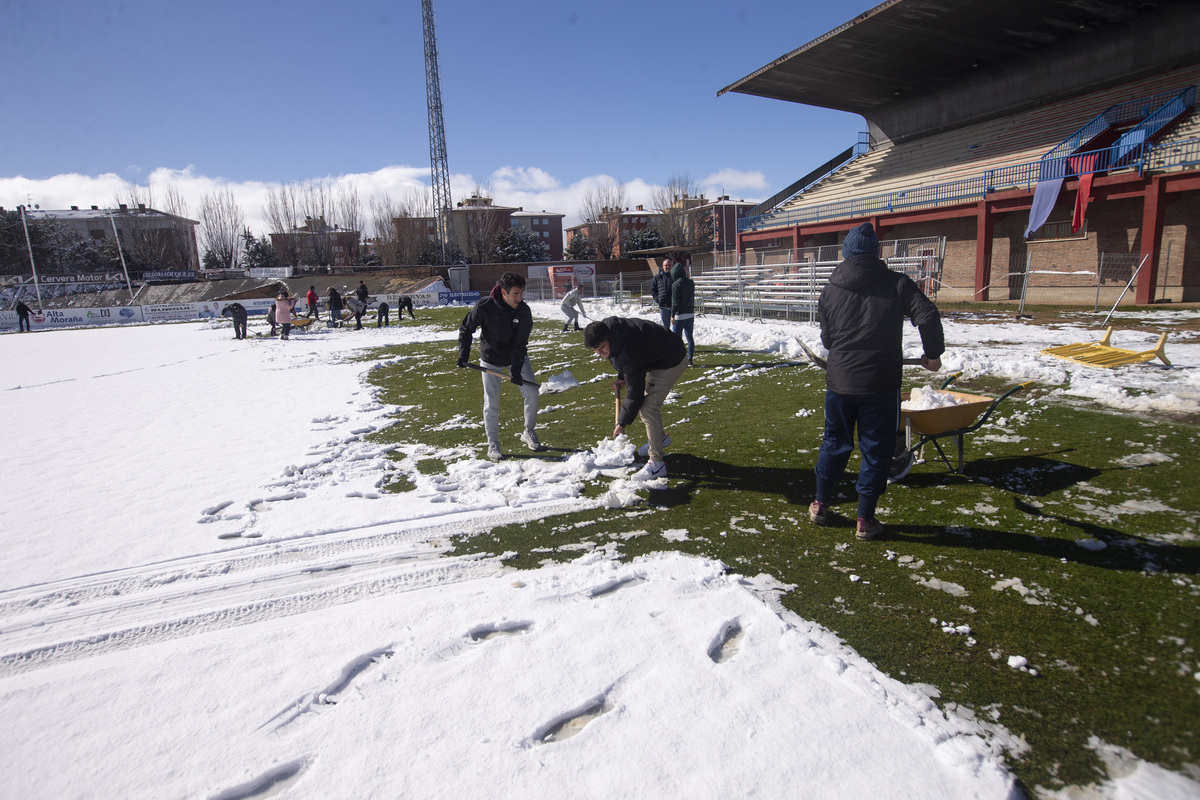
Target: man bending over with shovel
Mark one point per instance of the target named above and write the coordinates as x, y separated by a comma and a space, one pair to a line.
649, 359
505, 321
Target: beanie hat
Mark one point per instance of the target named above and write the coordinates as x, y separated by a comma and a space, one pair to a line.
860, 241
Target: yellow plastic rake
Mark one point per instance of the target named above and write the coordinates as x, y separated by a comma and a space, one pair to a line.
1103, 354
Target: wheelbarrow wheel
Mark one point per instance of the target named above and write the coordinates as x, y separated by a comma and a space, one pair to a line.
902, 461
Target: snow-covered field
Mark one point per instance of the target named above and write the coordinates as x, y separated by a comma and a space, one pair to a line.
205, 594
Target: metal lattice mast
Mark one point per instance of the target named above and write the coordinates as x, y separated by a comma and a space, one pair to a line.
438, 166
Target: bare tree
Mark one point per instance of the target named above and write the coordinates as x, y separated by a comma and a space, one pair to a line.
383, 212
316, 204
151, 241
601, 207
221, 225
674, 202
349, 216
482, 223
414, 226
185, 243
282, 211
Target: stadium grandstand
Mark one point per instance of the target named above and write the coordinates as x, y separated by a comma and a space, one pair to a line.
1040, 150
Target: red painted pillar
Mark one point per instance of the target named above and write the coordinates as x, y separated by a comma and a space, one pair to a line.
983, 250
1153, 206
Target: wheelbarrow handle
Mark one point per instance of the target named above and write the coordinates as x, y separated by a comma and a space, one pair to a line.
951, 379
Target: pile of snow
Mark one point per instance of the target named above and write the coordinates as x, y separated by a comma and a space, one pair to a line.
925, 398
558, 383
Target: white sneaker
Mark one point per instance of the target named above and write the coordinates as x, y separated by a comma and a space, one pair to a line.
644, 450
494, 453
652, 470
531, 441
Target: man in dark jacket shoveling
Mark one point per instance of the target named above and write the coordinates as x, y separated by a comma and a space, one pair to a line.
506, 322
649, 359
862, 311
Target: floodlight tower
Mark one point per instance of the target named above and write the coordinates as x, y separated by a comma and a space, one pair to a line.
439, 168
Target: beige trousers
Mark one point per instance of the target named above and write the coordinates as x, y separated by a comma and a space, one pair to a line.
658, 385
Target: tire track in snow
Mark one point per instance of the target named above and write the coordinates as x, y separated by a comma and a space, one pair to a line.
149, 620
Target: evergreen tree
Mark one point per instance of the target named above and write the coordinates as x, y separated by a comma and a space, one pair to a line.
518, 244
580, 248
260, 253
644, 239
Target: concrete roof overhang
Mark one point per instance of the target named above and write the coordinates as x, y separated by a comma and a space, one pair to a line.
908, 48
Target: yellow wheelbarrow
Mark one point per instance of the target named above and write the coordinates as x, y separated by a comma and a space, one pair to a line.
930, 426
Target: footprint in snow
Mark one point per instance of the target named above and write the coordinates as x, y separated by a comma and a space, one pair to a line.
331, 693
573, 722
613, 586
727, 643
482, 633
269, 784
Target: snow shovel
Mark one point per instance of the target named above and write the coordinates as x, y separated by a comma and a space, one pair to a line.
500, 374
820, 362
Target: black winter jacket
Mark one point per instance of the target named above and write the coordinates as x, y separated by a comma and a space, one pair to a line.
637, 346
683, 292
505, 334
660, 288
861, 312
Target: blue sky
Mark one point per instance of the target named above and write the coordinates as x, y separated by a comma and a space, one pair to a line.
542, 98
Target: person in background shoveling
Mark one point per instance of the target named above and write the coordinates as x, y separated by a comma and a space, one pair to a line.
405, 302
313, 303
23, 313
505, 322
237, 312
571, 300
861, 312
649, 359
357, 308
285, 306
335, 308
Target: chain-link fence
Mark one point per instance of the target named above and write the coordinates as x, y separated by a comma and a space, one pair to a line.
1030, 280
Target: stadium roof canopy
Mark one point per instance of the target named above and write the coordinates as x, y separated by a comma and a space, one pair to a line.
904, 48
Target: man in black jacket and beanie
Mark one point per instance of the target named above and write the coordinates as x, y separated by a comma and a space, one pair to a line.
649, 359
506, 322
861, 312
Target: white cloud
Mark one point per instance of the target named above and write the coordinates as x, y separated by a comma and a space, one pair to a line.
734, 182
531, 188
523, 179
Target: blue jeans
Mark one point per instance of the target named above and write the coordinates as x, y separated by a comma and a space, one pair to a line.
665, 313
877, 418
683, 326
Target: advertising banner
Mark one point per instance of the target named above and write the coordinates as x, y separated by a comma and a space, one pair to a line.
455, 298
256, 307
271, 272
170, 275
168, 312
99, 277
73, 317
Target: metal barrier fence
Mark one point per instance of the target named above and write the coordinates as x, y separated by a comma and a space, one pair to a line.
784, 283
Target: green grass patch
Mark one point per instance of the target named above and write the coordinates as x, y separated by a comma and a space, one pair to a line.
1069, 541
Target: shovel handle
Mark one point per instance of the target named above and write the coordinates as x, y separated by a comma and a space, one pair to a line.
500, 374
